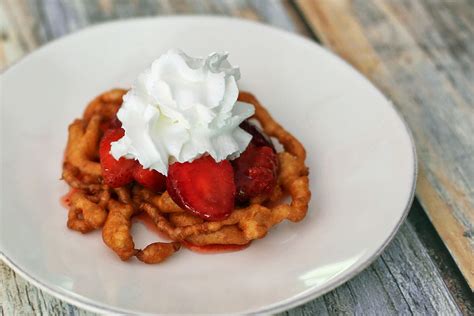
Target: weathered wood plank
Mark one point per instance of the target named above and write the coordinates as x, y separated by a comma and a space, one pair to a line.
12, 45
383, 287
403, 281
18, 297
420, 54
444, 262
29, 24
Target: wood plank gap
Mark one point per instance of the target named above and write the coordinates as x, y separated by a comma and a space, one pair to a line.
299, 13
375, 41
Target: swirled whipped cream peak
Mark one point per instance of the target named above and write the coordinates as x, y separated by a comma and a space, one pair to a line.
181, 108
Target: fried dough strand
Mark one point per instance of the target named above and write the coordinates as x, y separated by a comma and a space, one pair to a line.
89, 205
123, 195
86, 215
117, 236
105, 105
228, 235
116, 231
157, 252
87, 183
83, 146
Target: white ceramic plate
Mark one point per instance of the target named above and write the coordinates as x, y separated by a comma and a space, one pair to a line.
360, 154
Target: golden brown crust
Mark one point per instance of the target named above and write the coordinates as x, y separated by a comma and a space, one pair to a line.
83, 146
157, 252
85, 215
227, 235
105, 105
116, 232
88, 183
89, 206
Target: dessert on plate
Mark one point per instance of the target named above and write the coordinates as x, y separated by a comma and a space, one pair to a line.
185, 149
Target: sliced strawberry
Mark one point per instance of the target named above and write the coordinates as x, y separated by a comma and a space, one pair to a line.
259, 139
110, 124
255, 172
115, 123
116, 173
203, 187
104, 126
150, 179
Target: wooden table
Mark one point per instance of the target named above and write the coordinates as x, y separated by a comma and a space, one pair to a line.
420, 53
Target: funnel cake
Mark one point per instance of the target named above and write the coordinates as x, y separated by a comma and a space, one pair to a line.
95, 205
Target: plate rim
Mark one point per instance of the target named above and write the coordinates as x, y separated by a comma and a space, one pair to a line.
302, 298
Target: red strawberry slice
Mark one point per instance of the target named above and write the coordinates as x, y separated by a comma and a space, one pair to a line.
203, 187
255, 172
150, 179
259, 139
116, 173
115, 123
110, 124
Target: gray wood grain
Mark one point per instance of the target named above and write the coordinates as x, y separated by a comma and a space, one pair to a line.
404, 280
420, 54
445, 130
18, 297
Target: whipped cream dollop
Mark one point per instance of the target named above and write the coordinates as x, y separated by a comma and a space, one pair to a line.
181, 108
